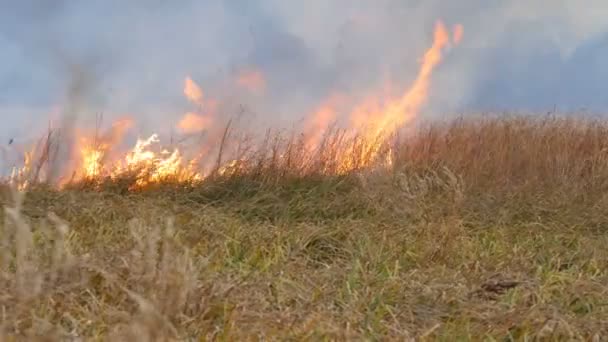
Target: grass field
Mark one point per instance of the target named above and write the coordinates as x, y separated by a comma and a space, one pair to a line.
481, 229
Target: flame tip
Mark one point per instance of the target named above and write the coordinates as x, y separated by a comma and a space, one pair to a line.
380, 116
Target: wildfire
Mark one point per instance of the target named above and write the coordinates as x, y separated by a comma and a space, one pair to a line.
404, 109
150, 167
93, 152
141, 163
320, 120
144, 162
92, 162
372, 122
193, 123
20, 177
381, 121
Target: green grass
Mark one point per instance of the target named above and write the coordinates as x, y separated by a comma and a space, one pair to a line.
487, 229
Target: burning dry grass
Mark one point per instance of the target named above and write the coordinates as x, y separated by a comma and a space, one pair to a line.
479, 228
318, 151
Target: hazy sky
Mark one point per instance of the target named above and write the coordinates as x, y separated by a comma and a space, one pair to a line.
130, 57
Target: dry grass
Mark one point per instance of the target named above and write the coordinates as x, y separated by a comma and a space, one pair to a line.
482, 229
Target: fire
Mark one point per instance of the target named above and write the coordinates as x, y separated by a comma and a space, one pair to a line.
143, 162
320, 120
93, 152
404, 109
20, 177
380, 122
139, 156
193, 92
147, 165
231, 168
372, 122
150, 167
193, 123
92, 162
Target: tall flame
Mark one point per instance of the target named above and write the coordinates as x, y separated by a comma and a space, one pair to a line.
378, 116
382, 121
92, 162
324, 116
404, 109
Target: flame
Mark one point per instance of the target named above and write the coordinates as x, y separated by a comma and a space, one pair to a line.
92, 162
150, 167
317, 125
20, 176
93, 152
371, 121
252, 80
231, 168
193, 123
404, 109
141, 162
35, 166
381, 121
193, 92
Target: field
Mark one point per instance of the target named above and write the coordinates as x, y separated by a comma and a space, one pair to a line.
481, 228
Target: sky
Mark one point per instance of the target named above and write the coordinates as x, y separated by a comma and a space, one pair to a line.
78, 60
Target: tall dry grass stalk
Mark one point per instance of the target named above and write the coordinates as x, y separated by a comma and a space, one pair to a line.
49, 293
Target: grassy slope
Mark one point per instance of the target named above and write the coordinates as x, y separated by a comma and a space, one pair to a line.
485, 228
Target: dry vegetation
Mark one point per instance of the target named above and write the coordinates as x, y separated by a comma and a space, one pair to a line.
481, 229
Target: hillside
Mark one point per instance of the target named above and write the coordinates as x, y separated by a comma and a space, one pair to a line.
482, 227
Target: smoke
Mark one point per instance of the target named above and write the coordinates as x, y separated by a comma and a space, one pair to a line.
76, 60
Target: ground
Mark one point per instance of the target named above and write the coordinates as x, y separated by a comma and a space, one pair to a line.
490, 229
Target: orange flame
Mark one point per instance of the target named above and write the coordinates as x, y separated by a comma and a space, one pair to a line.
20, 177
193, 92
320, 120
382, 121
148, 163
93, 152
151, 167
92, 162
193, 123
404, 109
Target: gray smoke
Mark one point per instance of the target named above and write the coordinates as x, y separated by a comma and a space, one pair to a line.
135, 54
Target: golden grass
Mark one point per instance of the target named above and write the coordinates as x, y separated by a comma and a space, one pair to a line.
485, 228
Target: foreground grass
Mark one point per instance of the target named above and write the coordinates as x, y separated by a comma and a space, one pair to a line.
488, 229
